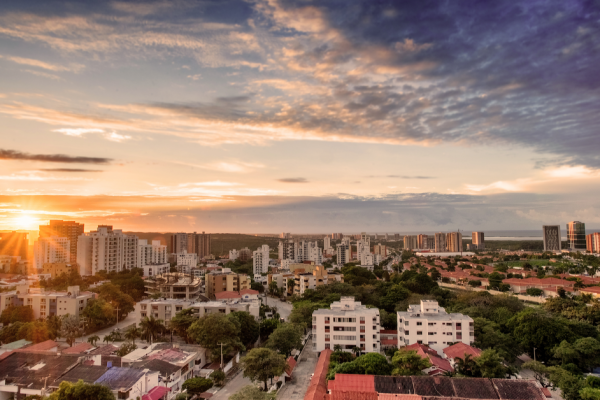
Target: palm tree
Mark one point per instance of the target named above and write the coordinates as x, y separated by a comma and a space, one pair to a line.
150, 326
93, 339
133, 333
356, 350
106, 339
337, 347
466, 366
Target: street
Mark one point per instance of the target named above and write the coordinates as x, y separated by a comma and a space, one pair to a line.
297, 387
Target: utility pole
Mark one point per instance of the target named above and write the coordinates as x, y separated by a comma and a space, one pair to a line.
221, 354
117, 326
534, 354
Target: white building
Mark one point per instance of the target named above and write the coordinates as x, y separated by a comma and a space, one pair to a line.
327, 243
156, 269
233, 255
154, 253
343, 254
106, 249
367, 260
51, 249
46, 303
349, 324
186, 261
430, 324
260, 260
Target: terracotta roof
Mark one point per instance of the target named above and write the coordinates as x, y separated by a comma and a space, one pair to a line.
433, 356
291, 364
156, 393
517, 389
227, 295
398, 396
78, 348
43, 346
104, 350
593, 289
317, 389
459, 350
169, 355
352, 382
248, 291
352, 395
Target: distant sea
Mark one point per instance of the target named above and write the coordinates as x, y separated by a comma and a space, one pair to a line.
516, 235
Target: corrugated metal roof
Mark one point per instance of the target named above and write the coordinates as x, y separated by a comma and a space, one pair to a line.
120, 378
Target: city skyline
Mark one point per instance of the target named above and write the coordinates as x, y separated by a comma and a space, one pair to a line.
273, 116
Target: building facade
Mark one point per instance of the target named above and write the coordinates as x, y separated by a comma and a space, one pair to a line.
106, 249
592, 242
422, 242
551, 235
478, 240
225, 280
186, 261
440, 242
56, 269
576, 236
156, 269
318, 277
174, 285
411, 242
349, 324
46, 303
233, 255
343, 254
454, 242
428, 323
260, 260
51, 249
67, 229
154, 253
380, 249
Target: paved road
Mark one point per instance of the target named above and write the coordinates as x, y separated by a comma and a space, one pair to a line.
132, 317
297, 387
283, 307
231, 387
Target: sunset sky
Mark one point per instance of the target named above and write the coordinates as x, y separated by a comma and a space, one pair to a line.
300, 116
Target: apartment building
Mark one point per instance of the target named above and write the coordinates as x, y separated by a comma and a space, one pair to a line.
318, 277
551, 235
225, 280
245, 254
198, 243
106, 249
66, 229
411, 242
349, 324
156, 269
381, 250
56, 269
53, 249
166, 309
454, 242
186, 261
431, 242
46, 303
592, 242
154, 253
363, 244
343, 253
440, 242
422, 242
326, 243
478, 241
281, 280
576, 236
174, 285
233, 255
260, 260
428, 323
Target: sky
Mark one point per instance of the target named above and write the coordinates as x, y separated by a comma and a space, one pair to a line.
264, 116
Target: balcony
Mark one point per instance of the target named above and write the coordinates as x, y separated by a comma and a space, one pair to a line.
362, 339
327, 339
327, 329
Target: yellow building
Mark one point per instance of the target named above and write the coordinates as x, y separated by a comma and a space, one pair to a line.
225, 280
307, 267
55, 269
318, 277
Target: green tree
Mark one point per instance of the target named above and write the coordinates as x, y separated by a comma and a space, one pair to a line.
249, 328
93, 339
373, 364
267, 327
218, 377
490, 365
262, 363
589, 350
569, 384
71, 329
534, 292
249, 392
181, 322
467, 366
489, 335
213, 329
16, 314
409, 363
396, 294
302, 312
150, 328
285, 338
125, 349
566, 352
291, 283
197, 385
98, 314
112, 294
81, 391
133, 333
35, 332
273, 287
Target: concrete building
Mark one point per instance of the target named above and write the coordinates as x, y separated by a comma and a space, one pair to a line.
15, 244
288, 250
431, 242
428, 323
422, 242
166, 309
478, 241
174, 285
411, 242
318, 277
260, 260
245, 254
186, 261
349, 324
51, 249
225, 280
156, 269
46, 303
440, 242
380, 249
326, 243
56, 269
309, 251
233, 255
154, 253
179, 242
454, 242
551, 234
367, 260
66, 229
106, 249
576, 236
343, 254
281, 280
592, 242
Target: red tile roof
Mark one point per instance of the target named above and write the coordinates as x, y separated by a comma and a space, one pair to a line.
459, 350
546, 392
291, 364
352, 382
78, 348
317, 389
43, 346
248, 291
399, 396
227, 295
429, 353
352, 395
156, 393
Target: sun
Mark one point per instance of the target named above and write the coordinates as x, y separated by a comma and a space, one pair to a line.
26, 221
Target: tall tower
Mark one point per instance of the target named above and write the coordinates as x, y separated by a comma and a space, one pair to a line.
576, 235
551, 237
66, 229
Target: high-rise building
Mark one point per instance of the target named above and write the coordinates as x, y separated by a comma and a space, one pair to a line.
326, 243
245, 254
179, 243
386, 237
203, 244
14, 244
199, 243
576, 235
233, 255
593, 242
363, 245
67, 229
288, 249
343, 254
440, 242
396, 236
380, 249
52, 249
431, 242
552, 240
478, 240
154, 253
411, 242
454, 242
260, 260
186, 261
106, 249
422, 242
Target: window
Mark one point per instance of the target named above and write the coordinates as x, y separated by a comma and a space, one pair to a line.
406, 332
406, 323
431, 324
419, 332
419, 323
327, 346
432, 333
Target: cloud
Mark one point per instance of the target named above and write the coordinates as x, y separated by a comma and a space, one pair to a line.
195, 77
293, 180
115, 137
226, 166
402, 176
79, 132
57, 158
43, 74
46, 65
70, 170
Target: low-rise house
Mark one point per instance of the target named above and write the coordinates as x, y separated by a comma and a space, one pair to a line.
129, 383
460, 350
45, 303
165, 309
174, 285
439, 366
